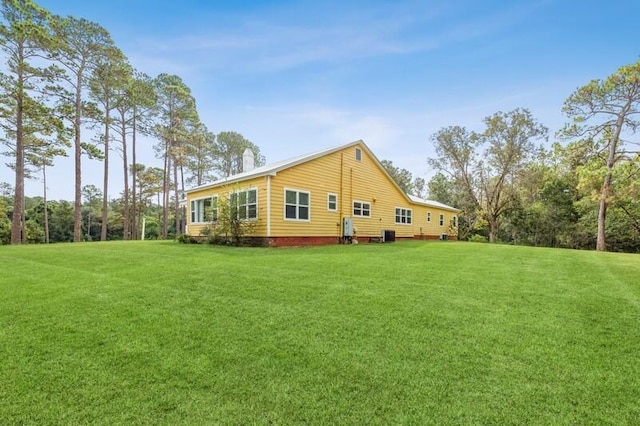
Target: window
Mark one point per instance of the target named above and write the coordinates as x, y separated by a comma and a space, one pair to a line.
332, 202
441, 219
358, 154
403, 215
204, 210
361, 208
428, 217
454, 221
296, 205
246, 203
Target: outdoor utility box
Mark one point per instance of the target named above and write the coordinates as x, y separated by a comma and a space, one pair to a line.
347, 227
444, 237
388, 236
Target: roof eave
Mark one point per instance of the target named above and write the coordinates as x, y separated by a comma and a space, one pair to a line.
274, 171
231, 180
447, 208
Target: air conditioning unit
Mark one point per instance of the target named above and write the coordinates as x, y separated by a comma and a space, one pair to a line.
444, 237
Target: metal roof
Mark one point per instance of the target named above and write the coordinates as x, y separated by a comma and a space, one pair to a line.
431, 203
273, 168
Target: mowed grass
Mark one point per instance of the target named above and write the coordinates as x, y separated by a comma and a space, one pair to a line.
404, 333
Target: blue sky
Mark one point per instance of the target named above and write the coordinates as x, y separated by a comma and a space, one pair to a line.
298, 76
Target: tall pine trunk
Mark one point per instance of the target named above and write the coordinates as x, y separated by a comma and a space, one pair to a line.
18, 196
127, 225
105, 181
77, 205
165, 193
44, 197
181, 219
176, 192
134, 173
607, 185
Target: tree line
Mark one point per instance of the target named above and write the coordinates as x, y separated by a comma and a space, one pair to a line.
66, 88
581, 192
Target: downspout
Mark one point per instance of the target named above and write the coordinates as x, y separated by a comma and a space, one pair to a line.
351, 184
351, 201
340, 225
268, 207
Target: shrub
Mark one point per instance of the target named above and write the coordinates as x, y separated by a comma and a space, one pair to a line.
477, 238
186, 239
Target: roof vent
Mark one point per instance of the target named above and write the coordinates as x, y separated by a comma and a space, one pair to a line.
248, 161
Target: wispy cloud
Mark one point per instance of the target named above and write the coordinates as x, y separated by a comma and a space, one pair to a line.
293, 129
274, 43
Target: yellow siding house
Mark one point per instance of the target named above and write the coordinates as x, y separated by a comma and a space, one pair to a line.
341, 194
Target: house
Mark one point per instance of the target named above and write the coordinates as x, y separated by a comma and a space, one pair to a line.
334, 195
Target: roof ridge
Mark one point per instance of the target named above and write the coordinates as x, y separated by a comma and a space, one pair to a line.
275, 166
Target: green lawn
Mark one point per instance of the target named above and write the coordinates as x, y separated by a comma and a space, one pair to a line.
404, 333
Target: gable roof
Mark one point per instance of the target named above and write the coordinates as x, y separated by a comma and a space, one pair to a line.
273, 168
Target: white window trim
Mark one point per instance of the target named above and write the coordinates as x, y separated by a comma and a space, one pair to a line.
406, 209
253, 188
429, 217
192, 210
441, 220
358, 150
284, 205
195, 200
361, 202
335, 195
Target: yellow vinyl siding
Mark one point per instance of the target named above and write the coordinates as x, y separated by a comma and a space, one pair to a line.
223, 192
371, 184
341, 174
317, 177
422, 227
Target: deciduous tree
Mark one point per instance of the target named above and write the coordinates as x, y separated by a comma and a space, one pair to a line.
402, 177
92, 195
41, 155
487, 164
443, 189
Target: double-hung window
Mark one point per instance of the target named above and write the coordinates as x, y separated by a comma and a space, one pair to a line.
441, 219
246, 203
428, 217
297, 205
403, 215
332, 202
362, 209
